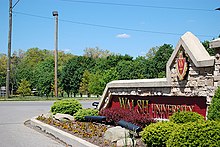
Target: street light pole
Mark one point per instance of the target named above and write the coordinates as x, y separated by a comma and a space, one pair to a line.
55, 14
9, 50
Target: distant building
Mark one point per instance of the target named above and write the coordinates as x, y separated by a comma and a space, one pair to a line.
2, 91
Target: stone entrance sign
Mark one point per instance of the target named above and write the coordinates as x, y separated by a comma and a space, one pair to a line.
159, 106
192, 76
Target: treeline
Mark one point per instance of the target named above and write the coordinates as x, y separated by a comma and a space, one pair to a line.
87, 74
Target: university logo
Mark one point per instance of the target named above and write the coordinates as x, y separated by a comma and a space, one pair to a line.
181, 66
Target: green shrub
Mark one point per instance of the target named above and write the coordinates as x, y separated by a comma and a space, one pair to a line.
195, 134
67, 106
214, 109
80, 115
156, 134
186, 116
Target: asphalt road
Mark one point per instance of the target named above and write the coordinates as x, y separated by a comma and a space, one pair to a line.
13, 132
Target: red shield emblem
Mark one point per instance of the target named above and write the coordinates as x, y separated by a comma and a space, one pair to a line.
181, 66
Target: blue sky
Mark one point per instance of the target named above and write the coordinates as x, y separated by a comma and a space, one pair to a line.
153, 20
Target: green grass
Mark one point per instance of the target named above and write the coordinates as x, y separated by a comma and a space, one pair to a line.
36, 98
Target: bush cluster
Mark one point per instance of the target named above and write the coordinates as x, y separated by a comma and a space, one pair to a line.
184, 117
195, 134
113, 115
183, 129
66, 106
214, 109
80, 115
158, 133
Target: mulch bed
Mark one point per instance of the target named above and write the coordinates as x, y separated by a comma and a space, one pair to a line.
89, 131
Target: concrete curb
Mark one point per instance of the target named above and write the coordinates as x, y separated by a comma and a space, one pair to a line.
65, 137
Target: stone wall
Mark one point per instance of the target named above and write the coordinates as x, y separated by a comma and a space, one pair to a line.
142, 91
199, 81
202, 77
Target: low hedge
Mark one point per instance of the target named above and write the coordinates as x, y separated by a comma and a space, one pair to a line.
185, 117
80, 115
195, 134
156, 134
67, 106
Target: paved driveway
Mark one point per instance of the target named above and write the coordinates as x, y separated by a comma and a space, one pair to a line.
13, 133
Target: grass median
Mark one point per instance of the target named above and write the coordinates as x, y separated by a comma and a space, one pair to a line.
36, 98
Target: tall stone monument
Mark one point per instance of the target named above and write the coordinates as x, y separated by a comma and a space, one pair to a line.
192, 76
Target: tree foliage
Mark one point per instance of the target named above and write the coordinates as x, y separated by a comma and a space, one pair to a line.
44, 76
84, 85
3, 61
96, 53
86, 74
72, 74
209, 50
24, 88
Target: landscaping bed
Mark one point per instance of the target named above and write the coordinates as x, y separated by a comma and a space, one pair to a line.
90, 131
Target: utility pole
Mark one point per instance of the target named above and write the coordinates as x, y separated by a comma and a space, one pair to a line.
55, 14
9, 50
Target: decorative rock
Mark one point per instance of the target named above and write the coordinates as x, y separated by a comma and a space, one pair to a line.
125, 142
60, 116
116, 133
48, 115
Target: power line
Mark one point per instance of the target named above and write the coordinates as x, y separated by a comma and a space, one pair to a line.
15, 4
32, 15
109, 27
137, 5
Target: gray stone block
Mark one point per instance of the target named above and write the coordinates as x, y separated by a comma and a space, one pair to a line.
60, 116
125, 142
116, 133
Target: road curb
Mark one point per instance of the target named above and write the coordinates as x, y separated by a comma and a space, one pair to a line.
67, 138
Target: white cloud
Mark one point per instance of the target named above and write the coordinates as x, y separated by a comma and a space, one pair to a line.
123, 36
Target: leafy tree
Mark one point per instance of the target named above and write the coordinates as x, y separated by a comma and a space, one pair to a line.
109, 75
214, 109
152, 52
158, 63
27, 64
98, 80
96, 53
111, 61
84, 85
96, 84
44, 74
140, 68
24, 71
124, 70
134, 69
210, 50
63, 59
72, 73
33, 56
24, 88
3, 65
